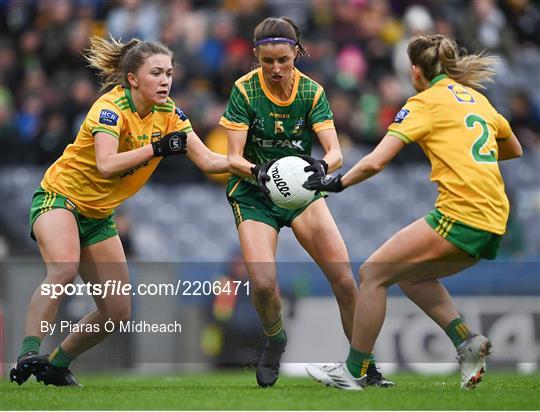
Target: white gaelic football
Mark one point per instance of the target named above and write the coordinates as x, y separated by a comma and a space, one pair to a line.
286, 178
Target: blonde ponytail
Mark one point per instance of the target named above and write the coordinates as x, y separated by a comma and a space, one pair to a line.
437, 54
115, 60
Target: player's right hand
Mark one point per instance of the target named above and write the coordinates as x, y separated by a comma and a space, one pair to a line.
326, 183
174, 143
260, 173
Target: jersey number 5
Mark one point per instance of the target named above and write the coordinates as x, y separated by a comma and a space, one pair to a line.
481, 141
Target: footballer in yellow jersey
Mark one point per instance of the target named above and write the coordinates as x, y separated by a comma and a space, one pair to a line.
463, 137
119, 145
457, 128
75, 174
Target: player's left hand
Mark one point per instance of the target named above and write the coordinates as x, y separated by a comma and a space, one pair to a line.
319, 167
326, 183
174, 143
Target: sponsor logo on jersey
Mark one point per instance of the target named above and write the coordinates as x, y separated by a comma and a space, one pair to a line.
298, 127
401, 115
291, 144
108, 117
180, 114
279, 115
461, 94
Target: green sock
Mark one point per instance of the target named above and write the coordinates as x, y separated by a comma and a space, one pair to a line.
30, 344
372, 359
60, 358
275, 330
358, 362
457, 331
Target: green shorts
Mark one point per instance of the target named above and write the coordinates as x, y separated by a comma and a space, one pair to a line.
249, 203
478, 243
90, 230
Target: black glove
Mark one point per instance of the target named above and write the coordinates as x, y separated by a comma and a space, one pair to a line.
260, 173
174, 143
319, 167
327, 183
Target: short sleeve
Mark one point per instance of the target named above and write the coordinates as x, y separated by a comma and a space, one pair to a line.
321, 116
105, 117
503, 128
236, 116
412, 123
181, 121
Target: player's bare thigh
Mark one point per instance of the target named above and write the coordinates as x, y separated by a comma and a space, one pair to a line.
106, 261
415, 253
317, 231
57, 236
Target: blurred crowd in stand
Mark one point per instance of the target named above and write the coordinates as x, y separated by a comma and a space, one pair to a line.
357, 48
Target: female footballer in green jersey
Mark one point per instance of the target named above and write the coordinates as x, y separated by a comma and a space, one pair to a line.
273, 112
120, 143
464, 137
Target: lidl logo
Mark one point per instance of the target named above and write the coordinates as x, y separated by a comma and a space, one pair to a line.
461, 94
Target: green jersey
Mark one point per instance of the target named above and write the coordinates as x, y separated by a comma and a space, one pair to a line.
277, 128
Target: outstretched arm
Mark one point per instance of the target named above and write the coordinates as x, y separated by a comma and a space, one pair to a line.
366, 167
374, 162
205, 159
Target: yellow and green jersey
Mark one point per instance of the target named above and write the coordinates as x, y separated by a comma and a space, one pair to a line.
277, 128
75, 173
457, 128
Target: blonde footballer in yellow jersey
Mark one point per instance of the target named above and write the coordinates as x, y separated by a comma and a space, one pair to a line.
120, 143
463, 137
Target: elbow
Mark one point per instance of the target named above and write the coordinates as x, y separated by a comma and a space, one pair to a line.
104, 171
374, 167
339, 160
519, 152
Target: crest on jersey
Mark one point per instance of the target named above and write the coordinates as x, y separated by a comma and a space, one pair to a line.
461, 94
180, 113
108, 117
401, 115
299, 127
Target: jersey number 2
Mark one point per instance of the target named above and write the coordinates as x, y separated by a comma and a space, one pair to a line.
481, 141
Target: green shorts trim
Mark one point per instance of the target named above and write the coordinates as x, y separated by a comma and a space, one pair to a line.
90, 230
476, 242
249, 203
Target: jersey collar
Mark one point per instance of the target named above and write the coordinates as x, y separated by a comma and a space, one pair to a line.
273, 98
127, 91
437, 78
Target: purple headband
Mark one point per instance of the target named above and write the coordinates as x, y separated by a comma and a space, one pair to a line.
274, 40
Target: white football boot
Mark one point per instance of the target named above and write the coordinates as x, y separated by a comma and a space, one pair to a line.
336, 375
472, 358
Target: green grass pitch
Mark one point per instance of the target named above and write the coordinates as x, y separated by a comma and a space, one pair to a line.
238, 390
